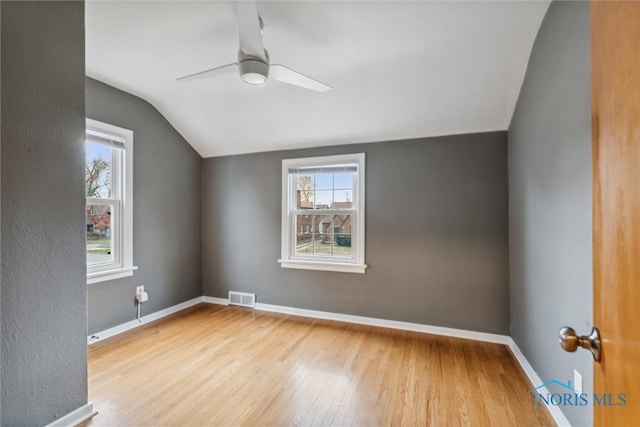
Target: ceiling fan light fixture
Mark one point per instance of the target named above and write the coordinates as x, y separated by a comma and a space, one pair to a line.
254, 79
253, 71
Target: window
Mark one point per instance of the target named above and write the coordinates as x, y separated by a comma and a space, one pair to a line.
323, 213
109, 210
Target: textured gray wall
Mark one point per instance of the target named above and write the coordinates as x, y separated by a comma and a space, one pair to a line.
44, 296
167, 244
550, 199
436, 233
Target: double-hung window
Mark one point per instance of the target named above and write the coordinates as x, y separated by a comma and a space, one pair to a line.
323, 213
109, 210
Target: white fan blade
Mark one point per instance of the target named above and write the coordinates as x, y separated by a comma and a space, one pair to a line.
287, 75
249, 28
218, 71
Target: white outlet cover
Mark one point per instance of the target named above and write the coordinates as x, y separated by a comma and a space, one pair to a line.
577, 381
139, 290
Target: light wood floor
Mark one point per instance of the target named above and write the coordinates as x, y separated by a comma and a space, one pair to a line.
216, 365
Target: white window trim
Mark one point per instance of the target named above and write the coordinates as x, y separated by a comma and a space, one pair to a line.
287, 260
125, 238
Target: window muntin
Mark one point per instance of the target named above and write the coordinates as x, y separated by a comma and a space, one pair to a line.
109, 213
323, 213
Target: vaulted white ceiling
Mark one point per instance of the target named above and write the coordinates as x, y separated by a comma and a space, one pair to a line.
398, 69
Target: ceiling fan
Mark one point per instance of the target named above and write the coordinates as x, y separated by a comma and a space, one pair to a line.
253, 59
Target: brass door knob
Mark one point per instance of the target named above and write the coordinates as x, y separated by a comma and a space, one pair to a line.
570, 341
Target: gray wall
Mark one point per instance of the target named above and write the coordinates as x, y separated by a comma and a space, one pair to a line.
44, 308
436, 233
166, 212
550, 223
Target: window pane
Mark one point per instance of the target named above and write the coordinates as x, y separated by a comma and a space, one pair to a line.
343, 181
304, 188
324, 181
343, 199
304, 199
323, 199
99, 234
342, 235
323, 239
98, 170
323, 245
304, 234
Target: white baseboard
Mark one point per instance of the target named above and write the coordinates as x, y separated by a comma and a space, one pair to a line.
373, 321
385, 323
75, 417
556, 412
362, 320
107, 333
215, 300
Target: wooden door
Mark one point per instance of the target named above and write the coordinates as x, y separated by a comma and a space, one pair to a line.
615, 48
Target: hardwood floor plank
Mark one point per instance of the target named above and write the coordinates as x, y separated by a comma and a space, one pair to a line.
225, 366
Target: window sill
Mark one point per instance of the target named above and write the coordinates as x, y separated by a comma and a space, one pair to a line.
103, 276
323, 266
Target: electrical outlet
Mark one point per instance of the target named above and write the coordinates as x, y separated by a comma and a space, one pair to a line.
139, 290
577, 382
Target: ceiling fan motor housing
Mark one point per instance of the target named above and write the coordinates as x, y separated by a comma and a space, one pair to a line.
253, 71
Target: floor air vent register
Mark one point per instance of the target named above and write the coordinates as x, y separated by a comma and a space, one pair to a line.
242, 299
